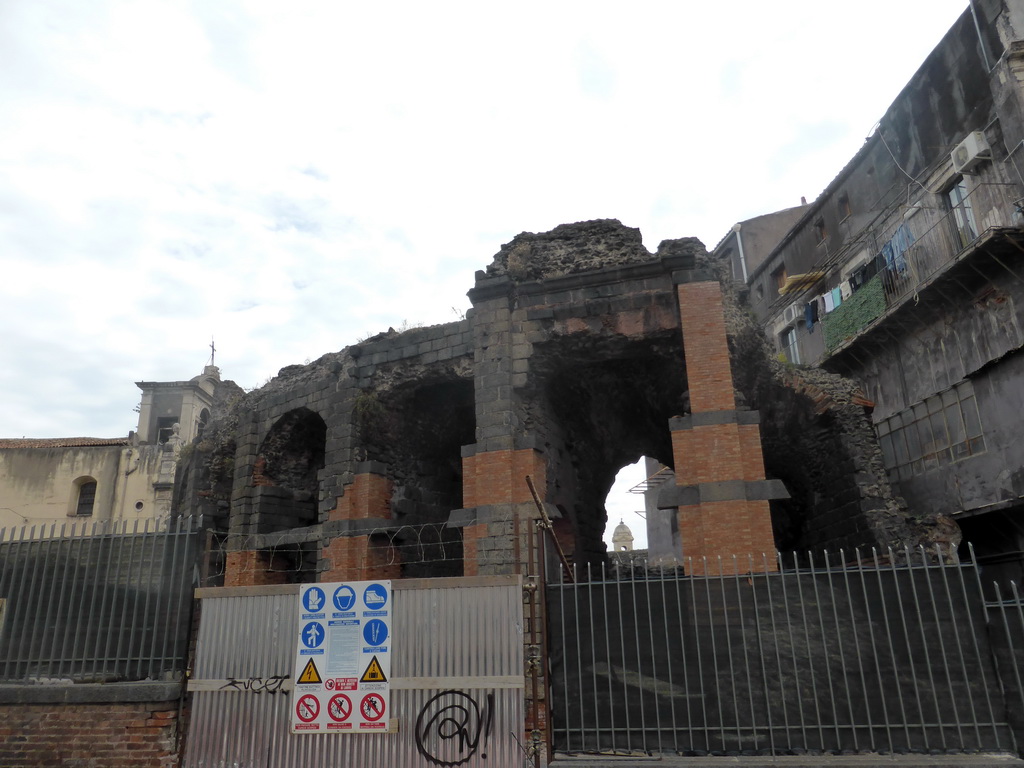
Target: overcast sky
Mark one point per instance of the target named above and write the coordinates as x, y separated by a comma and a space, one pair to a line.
288, 177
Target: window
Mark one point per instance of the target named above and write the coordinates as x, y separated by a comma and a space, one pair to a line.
820, 231
941, 429
845, 211
789, 346
779, 277
86, 498
165, 428
962, 219
204, 419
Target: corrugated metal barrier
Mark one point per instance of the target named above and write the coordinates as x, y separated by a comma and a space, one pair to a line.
456, 641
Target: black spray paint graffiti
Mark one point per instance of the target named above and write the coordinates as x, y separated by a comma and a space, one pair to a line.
269, 685
451, 727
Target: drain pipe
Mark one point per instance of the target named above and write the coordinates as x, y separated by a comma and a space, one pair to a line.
739, 248
981, 40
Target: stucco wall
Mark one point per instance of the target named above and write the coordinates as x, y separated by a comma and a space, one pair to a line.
38, 484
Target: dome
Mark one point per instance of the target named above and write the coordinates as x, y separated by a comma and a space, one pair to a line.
622, 537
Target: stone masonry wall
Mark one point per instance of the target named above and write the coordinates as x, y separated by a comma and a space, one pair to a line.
571, 363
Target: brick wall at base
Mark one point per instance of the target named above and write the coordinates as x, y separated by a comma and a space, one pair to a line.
359, 558
108, 735
251, 568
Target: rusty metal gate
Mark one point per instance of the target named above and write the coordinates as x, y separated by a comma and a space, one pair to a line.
457, 680
887, 655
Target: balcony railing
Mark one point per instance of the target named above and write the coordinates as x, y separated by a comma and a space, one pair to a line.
938, 238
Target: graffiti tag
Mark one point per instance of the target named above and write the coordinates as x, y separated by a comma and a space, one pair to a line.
269, 685
451, 727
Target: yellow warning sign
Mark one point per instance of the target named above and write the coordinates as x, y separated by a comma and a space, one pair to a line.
310, 674
373, 673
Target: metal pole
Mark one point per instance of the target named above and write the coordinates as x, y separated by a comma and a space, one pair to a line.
810, 658
792, 652
668, 658
768, 576
858, 655
942, 652
824, 643
639, 663
545, 521
892, 655
697, 643
927, 654
608, 651
974, 638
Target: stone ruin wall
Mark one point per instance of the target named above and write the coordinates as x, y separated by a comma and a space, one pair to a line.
569, 366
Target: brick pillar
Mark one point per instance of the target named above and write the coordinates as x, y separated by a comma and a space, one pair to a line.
254, 568
355, 554
721, 486
495, 492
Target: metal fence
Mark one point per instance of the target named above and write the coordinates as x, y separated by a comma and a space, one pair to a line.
98, 602
859, 655
1005, 617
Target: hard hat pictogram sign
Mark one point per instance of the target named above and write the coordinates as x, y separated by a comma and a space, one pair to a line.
374, 673
310, 674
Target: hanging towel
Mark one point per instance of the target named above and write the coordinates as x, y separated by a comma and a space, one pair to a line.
845, 289
837, 297
829, 302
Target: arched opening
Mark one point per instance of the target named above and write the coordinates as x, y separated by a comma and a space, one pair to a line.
204, 419
417, 431
287, 475
625, 509
599, 417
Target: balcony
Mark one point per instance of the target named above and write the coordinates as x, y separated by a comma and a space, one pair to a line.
936, 253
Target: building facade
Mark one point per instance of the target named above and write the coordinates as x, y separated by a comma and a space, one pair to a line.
49, 482
906, 275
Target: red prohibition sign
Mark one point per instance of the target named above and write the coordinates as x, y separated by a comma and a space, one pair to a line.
339, 707
372, 706
329, 683
307, 708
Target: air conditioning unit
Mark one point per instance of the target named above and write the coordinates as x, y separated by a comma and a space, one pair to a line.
970, 152
792, 313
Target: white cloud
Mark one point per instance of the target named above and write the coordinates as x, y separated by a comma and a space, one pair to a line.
290, 178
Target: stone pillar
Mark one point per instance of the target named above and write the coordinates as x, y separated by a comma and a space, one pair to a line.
495, 496
721, 493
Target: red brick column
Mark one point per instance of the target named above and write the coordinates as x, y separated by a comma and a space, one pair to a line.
718, 451
254, 568
361, 557
496, 477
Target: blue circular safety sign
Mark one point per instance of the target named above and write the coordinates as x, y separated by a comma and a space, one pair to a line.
312, 634
313, 599
375, 632
344, 598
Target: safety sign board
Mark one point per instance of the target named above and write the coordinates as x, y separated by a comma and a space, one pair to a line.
310, 674
374, 673
343, 642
